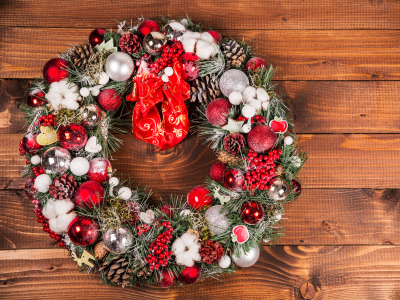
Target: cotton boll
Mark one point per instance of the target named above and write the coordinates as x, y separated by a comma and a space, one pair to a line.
205, 36
63, 222
63, 206
49, 211
103, 78
42, 183
196, 35
288, 140
224, 262
79, 166
248, 111
265, 105
235, 98
204, 49
255, 103
125, 193
84, 92
35, 160
188, 44
249, 93
262, 95
53, 225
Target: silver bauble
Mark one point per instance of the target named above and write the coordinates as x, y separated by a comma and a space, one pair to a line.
117, 240
154, 41
248, 259
56, 160
279, 190
217, 221
174, 30
233, 80
91, 115
119, 66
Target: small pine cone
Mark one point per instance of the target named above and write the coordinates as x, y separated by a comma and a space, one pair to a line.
204, 89
63, 187
279, 170
211, 252
234, 143
234, 53
100, 250
227, 158
143, 271
134, 211
81, 54
116, 270
130, 43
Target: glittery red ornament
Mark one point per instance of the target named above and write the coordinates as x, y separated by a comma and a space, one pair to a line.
83, 231
88, 194
30, 188
99, 169
109, 99
252, 213
217, 171
296, 187
261, 138
199, 198
29, 143
167, 279
190, 70
96, 37
233, 180
217, 37
72, 137
147, 26
255, 63
217, 110
55, 70
190, 274
35, 98
168, 210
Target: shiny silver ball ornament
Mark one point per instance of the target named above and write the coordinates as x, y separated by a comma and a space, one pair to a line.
119, 66
118, 240
91, 115
217, 221
279, 190
233, 80
56, 160
174, 30
248, 259
154, 41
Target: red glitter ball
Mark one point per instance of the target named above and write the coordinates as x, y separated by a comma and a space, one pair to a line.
190, 274
233, 180
167, 280
35, 98
217, 171
30, 188
217, 37
99, 169
55, 70
96, 37
72, 137
109, 99
167, 209
30, 144
190, 70
199, 198
88, 194
83, 231
147, 26
261, 138
252, 213
217, 110
296, 187
255, 63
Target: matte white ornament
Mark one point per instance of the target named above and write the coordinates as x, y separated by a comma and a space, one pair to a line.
103, 78
79, 166
246, 127
95, 92
35, 160
235, 98
42, 183
224, 262
164, 78
84, 92
114, 181
248, 111
125, 193
168, 71
288, 140
265, 105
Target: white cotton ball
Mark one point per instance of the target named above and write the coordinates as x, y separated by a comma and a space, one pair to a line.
255, 103
265, 105
262, 95
205, 36
49, 211
204, 49
79, 166
42, 183
224, 262
53, 225
246, 128
249, 93
216, 49
95, 92
114, 181
125, 193
188, 44
295, 160
164, 78
185, 212
235, 98
70, 93
184, 22
35, 160
62, 207
248, 111
63, 221
196, 35
288, 140
168, 71
84, 92
103, 78
186, 250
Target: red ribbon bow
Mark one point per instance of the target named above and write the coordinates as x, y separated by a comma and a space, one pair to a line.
149, 90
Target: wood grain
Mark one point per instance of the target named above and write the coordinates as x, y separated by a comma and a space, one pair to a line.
247, 14
299, 55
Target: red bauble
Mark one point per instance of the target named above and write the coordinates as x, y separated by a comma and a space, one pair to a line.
96, 37
55, 70
252, 213
147, 26
255, 63
261, 138
99, 169
168, 210
167, 280
199, 198
190, 274
217, 171
190, 70
88, 194
233, 180
29, 143
217, 37
35, 98
72, 137
83, 231
109, 99
296, 187
217, 110
30, 188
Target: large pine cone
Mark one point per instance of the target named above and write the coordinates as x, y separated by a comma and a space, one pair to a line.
81, 54
63, 187
234, 143
130, 43
204, 89
211, 252
116, 270
234, 53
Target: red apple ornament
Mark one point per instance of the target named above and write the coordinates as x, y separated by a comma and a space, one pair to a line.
167, 279
168, 210
252, 213
217, 171
217, 37
29, 143
190, 274
217, 111
109, 99
96, 37
147, 26
99, 169
278, 125
233, 180
88, 194
35, 98
72, 137
255, 63
240, 234
83, 231
261, 138
199, 198
55, 70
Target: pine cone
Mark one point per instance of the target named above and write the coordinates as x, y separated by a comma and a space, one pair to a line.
211, 252
143, 271
63, 187
234, 143
227, 158
204, 89
279, 170
134, 211
130, 43
100, 250
116, 270
81, 54
234, 53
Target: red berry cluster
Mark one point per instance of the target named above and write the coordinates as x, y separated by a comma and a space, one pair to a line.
141, 229
258, 120
48, 120
21, 149
37, 170
159, 248
261, 170
168, 54
241, 118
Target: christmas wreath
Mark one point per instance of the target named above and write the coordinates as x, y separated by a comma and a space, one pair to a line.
75, 111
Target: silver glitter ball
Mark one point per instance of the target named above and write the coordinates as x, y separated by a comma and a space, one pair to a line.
217, 221
233, 81
119, 66
154, 41
174, 30
91, 115
118, 240
56, 160
248, 259
279, 190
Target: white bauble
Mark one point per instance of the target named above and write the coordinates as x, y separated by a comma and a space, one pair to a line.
42, 183
35, 160
95, 91
168, 71
248, 111
288, 140
125, 193
246, 128
79, 166
103, 78
84, 92
248, 259
224, 262
235, 98
164, 78
114, 181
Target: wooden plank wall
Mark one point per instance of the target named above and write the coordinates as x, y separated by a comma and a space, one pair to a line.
339, 67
